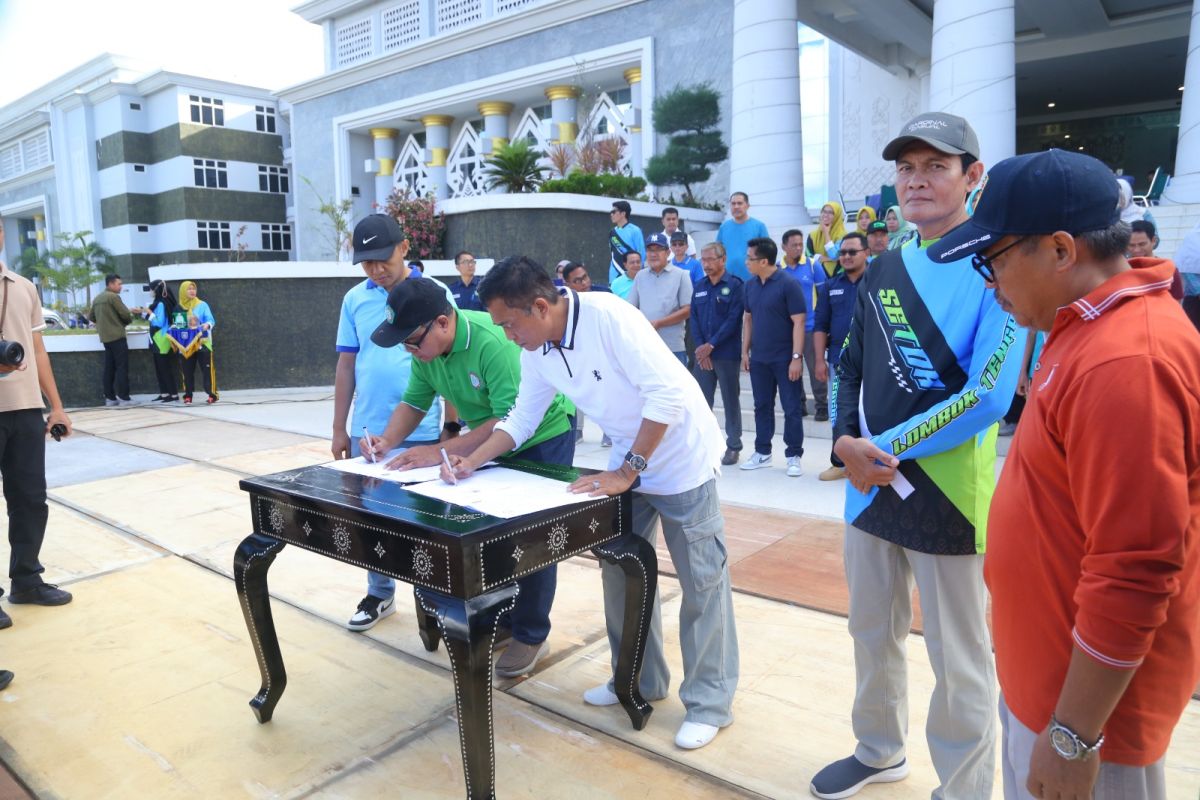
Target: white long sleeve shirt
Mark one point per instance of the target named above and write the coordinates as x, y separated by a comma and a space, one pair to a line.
616, 369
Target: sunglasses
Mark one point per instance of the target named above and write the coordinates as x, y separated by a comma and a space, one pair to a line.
850, 252
983, 264
412, 346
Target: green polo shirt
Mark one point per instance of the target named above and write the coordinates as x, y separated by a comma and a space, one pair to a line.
480, 376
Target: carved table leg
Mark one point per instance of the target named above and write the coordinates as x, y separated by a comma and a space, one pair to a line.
636, 557
427, 625
469, 630
250, 564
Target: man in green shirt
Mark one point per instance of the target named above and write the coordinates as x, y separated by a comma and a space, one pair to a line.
466, 359
111, 316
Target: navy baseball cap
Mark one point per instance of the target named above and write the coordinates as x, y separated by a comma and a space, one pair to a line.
658, 240
1039, 193
376, 237
410, 304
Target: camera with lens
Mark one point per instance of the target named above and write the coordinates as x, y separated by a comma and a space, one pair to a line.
11, 353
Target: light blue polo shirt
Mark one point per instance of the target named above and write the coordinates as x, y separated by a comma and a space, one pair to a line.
380, 373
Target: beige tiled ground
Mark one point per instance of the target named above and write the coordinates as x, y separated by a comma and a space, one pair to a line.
140, 687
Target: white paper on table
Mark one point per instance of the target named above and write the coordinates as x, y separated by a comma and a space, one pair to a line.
503, 492
361, 466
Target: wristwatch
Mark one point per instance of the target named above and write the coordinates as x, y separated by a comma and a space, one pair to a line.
453, 427
1068, 744
796, 356
636, 463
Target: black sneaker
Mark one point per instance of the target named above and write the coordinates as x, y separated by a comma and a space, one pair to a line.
42, 594
822, 414
5, 678
370, 611
5, 620
846, 777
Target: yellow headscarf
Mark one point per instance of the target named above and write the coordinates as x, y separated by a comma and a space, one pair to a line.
185, 302
836, 233
870, 212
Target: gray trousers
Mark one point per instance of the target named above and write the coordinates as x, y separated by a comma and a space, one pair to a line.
727, 373
695, 534
1115, 781
961, 727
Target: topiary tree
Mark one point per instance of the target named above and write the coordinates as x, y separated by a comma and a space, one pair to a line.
691, 114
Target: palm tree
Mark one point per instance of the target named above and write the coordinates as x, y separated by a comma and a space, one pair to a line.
515, 167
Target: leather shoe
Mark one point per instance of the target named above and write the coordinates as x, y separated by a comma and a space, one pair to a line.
730, 458
43, 594
5, 620
5, 678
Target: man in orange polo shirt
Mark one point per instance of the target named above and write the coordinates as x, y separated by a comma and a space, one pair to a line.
1094, 532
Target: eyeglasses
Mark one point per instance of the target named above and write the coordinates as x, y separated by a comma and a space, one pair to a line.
467, 262
413, 347
983, 264
850, 252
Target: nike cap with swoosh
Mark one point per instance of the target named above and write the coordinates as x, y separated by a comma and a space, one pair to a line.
376, 237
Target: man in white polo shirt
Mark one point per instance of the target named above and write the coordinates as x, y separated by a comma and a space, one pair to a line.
602, 354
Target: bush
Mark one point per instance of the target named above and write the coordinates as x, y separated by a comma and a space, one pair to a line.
514, 166
420, 220
604, 184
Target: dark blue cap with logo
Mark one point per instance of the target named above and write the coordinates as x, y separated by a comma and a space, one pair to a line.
1039, 193
658, 240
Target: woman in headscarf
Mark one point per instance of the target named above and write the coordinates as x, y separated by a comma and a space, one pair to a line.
198, 310
866, 215
162, 309
899, 231
1130, 211
823, 243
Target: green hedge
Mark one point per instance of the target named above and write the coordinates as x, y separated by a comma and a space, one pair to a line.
605, 184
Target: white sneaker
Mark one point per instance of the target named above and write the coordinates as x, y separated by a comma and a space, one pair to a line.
756, 461
600, 696
794, 469
370, 611
112, 402
694, 735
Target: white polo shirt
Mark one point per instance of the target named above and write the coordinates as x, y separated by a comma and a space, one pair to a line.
614, 367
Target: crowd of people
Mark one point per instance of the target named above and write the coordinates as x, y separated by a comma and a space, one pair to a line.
918, 328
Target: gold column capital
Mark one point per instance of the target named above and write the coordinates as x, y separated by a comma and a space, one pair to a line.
437, 120
384, 133
495, 108
563, 92
632, 75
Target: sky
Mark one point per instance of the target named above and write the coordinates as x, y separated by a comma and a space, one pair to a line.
255, 42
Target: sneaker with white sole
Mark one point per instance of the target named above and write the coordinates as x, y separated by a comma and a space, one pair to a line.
603, 696
370, 611
757, 461
794, 470
694, 735
845, 778
112, 402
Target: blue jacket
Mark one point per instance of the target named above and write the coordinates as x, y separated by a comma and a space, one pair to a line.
835, 308
717, 315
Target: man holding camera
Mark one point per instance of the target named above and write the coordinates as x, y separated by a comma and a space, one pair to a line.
25, 375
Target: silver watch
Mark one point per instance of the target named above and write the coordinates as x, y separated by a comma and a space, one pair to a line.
636, 463
1068, 744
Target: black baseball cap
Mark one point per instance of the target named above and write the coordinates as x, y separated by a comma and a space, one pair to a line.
877, 226
410, 304
1039, 193
678, 236
945, 132
376, 237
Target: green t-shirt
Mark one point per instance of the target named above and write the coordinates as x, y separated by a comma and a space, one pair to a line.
480, 376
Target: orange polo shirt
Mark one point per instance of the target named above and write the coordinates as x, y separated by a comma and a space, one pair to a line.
1094, 530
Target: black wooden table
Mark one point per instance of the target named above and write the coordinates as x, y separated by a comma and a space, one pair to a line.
463, 566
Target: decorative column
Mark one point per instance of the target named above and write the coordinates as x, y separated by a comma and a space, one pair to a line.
495, 129
384, 140
973, 71
564, 111
1185, 186
633, 76
39, 226
765, 154
437, 151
